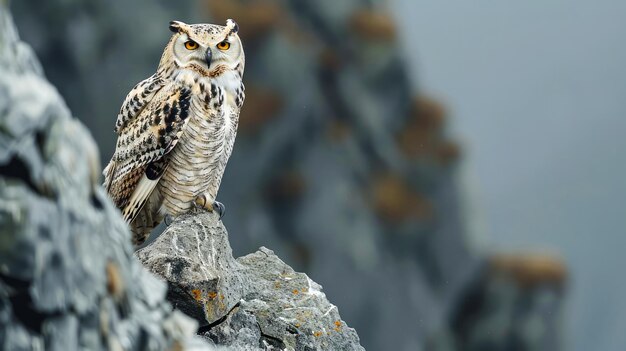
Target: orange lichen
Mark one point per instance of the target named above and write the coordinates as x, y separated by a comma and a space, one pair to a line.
176, 346
115, 284
373, 25
428, 112
197, 294
530, 270
255, 18
295, 291
317, 334
394, 200
338, 323
212, 295
414, 141
448, 152
423, 132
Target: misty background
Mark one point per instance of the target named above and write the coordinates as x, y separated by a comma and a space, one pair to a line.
537, 90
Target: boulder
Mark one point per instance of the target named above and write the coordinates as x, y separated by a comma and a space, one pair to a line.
252, 302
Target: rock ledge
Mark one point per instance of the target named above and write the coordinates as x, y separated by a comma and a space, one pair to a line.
254, 302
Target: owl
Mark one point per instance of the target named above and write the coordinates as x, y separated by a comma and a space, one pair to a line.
176, 129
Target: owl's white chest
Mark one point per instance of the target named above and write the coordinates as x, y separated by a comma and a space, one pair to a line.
196, 165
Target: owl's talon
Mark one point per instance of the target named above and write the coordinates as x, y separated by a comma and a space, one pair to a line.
219, 208
215, 206
201, 202
168, 220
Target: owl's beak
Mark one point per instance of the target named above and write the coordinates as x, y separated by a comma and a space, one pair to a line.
209, 55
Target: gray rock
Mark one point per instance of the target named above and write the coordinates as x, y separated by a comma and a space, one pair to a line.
203, 272
68, 278
252, 302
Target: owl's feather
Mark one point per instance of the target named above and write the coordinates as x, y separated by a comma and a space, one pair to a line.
137, 98
143, 189
138, 162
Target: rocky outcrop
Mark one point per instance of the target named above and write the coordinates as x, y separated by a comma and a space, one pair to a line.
252, 302
68, 278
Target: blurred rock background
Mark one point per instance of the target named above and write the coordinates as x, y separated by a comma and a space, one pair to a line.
341, 166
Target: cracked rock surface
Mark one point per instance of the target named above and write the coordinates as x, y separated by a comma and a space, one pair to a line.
68, 278
255, 302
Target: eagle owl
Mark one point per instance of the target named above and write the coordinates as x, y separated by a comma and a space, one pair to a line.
176, 129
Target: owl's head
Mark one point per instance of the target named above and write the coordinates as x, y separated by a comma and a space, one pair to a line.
208, 49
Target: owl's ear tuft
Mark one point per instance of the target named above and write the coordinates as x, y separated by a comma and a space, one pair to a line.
175, 26
232, 25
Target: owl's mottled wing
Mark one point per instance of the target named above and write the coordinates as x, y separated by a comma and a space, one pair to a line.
138, 162
137, 99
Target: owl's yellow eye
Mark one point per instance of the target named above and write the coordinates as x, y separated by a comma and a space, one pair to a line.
191, 45
224, 45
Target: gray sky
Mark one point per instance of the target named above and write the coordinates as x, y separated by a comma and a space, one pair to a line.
537, 95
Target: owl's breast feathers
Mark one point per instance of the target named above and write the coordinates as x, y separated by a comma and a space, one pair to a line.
199, 113
197, 164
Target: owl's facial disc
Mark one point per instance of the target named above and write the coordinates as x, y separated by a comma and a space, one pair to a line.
209, 50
